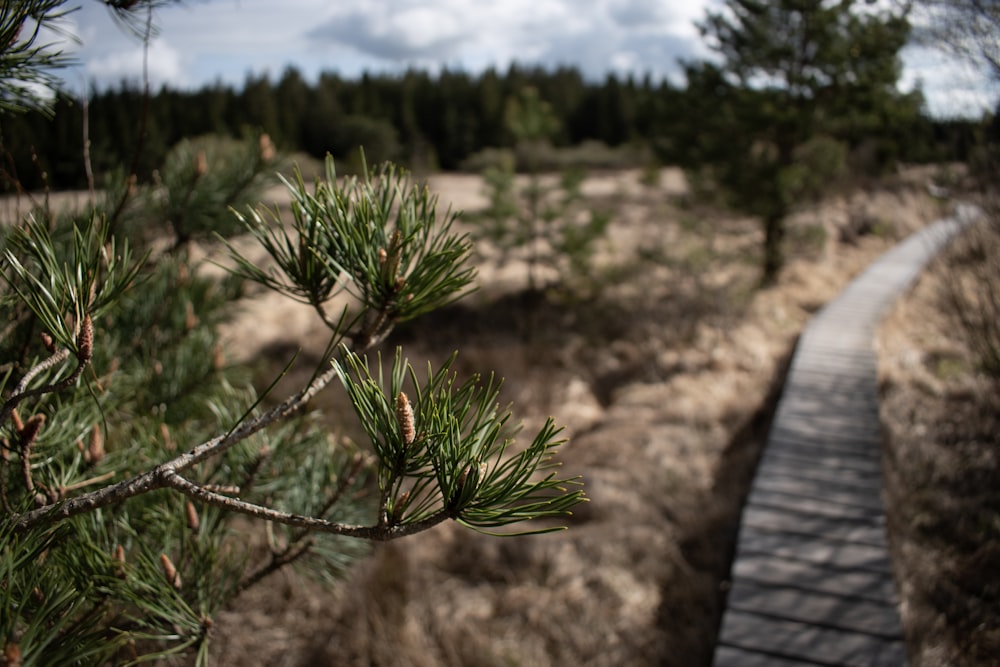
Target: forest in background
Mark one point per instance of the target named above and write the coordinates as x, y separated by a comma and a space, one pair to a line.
443, 121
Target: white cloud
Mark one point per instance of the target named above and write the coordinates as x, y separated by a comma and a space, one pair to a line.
165, 65
598, 36
411, 33
951, 87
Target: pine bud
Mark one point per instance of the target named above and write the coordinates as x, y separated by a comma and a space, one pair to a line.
119, 559
12, 654
50, 345
190, 319
218, 357
266, 147
168, 443
171, 573
400, 506
469, 478
29, 432
95, 446
404, 417
85, 340
192, 517
389, 258
16, 418
200, 164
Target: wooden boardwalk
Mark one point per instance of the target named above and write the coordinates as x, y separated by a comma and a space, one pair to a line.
811, 580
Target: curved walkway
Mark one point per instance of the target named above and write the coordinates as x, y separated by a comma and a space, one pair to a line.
811, 580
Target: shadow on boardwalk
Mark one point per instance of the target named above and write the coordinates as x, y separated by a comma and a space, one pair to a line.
811, 580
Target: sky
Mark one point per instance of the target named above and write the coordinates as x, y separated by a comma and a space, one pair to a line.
201, 42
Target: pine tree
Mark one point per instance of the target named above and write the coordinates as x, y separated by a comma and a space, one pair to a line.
791, 71
130, 446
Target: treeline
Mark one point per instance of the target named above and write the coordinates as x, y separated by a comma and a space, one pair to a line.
422, 120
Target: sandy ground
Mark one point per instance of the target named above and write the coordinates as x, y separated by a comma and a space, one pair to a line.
664, 379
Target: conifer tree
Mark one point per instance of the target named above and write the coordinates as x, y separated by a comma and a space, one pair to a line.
791, 71
129, 446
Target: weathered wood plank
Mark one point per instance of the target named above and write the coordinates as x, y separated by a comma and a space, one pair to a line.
819, 464
787, 459
801, 514
730, 656
830, 610
797, 642
832, 483
864, 508
814, 549
822, 577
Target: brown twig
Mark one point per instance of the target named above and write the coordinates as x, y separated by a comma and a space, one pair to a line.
379, 533
87, 482
299, 544
85, 343
21, 391
278, 560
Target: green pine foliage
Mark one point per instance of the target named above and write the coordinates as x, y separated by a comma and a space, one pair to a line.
26, 62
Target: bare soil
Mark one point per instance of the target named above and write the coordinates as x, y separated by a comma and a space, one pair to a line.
665, 379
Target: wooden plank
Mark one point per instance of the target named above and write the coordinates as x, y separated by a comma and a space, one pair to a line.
822, 465
730, 656
795, 432
861, 507
777, 518
834, 484
830, 610
809, 644
805, 380
766, 569
837, 428
814, 549
823, 400
855, 401
819, 464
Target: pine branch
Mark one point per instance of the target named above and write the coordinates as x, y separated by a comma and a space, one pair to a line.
21, 392
157, 477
